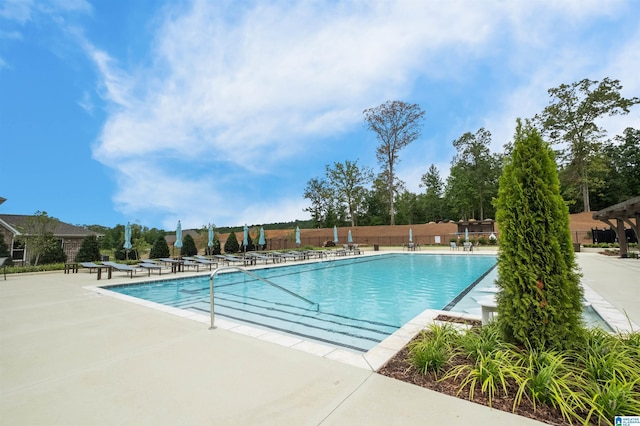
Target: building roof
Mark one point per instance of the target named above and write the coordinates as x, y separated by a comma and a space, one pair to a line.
16, 222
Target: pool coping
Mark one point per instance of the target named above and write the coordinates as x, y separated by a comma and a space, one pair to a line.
377, 356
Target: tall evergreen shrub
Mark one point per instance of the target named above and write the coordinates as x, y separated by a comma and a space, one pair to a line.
89, 250
188, 246
541, 302
160, 249
215, 249
231, 245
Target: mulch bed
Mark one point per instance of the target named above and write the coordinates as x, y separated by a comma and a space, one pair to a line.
400, 368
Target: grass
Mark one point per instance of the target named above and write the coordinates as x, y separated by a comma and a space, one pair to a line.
591, 384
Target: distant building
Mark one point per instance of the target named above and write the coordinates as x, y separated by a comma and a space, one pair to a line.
69, 236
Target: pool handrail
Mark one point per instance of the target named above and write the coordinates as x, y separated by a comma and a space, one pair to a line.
251, 274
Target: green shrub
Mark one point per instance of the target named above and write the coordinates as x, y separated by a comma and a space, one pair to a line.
215, 249
431, 352
541, 301
551, 378
160, 249
89, 250
490, 372
188, 246
231, 245
52, 252
121, 254
479, 342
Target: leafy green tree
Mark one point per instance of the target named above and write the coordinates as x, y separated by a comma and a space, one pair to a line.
540, 301
473, 180
4, 250
139, 247
89, 250
231, 245
348, 183
188, 246
571, 117
396, 124
376, 204
319, 193
37, 234
622, 179
407, 209
51, 251
160, 249
432, 202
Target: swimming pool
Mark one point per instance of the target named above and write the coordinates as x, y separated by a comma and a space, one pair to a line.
361, 300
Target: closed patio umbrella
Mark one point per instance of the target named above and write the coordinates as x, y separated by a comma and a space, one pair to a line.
127, 239
349, 238
178, 243
466, 234
410, 235
245, 237
261, 241
298, 235
335, 234
210, 242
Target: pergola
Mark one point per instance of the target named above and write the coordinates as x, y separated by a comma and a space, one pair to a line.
624, 212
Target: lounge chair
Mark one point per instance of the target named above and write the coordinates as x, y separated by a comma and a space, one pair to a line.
121, 267
202, 261
90, 266
258, 256
229, 259
150, 265
186, 263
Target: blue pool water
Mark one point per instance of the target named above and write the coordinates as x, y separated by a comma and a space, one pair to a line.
361, 300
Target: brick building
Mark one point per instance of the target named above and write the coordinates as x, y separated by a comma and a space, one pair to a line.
12, 228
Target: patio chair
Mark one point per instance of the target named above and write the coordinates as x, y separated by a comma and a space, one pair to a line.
121, 267
467, 246
454, 246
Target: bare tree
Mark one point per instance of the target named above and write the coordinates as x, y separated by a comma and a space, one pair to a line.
396, 124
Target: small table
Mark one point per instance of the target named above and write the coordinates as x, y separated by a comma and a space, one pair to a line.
489, 308
100, 268
71, 267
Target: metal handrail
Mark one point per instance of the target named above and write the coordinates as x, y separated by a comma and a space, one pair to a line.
251, 274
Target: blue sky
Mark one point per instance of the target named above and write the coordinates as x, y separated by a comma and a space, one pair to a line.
220, 111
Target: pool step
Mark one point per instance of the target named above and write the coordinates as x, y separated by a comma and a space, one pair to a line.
297, 319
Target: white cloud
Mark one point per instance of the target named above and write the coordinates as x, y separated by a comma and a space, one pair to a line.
17, 10
242, 94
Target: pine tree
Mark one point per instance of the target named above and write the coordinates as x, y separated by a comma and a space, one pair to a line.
188, 246
540, 301
231, 245
89, 250
160, 249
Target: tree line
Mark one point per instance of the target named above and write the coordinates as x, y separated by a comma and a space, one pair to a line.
594, 171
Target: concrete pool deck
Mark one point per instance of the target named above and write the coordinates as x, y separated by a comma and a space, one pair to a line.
69, 355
